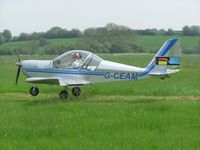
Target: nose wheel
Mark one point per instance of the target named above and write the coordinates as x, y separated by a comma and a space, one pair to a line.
76, 91
34, 91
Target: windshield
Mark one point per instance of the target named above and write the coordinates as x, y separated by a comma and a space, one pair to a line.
77, 59
92, 62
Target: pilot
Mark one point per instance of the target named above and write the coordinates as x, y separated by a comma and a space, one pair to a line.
76, 62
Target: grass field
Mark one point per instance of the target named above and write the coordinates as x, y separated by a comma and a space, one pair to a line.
145, 114
154, 42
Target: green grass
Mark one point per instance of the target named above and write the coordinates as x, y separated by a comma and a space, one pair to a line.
98, 122
27, 44
30, 47
149, 43
144, 114
155, 42
68, 41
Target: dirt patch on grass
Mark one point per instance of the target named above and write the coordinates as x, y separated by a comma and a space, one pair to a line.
105, 98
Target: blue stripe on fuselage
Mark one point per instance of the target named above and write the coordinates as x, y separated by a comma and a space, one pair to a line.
75, 72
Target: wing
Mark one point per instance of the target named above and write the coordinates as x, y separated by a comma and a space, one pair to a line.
163, 73
60, 81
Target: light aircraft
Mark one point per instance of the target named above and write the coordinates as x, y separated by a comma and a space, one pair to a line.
76, 68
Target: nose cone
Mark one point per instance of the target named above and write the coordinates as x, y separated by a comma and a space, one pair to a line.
19, 64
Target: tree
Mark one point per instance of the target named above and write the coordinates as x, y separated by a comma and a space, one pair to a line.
2, 39
170, 32
161, 32
195, 30
112, 26
14, 39
186, 30
74, 33
116, 48
90, 32
7, 35
191, 31
35, 36
147, 32
23, 37
55, 32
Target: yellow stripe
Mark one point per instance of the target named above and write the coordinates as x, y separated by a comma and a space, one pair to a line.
162, 62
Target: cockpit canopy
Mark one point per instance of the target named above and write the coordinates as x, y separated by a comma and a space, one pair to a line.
77, 59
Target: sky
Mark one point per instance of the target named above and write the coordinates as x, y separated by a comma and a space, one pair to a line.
40, 15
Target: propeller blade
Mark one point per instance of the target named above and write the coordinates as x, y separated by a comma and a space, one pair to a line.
17, 53
17, 77
18, 58
19, 64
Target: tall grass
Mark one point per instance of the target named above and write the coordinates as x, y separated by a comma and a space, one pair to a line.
98, 123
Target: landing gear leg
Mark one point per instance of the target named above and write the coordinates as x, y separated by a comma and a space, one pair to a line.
76, 91
34, 91
63, 94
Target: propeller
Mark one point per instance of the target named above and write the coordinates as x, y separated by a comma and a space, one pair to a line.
18, 70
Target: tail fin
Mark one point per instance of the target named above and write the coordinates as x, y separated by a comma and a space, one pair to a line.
167, 59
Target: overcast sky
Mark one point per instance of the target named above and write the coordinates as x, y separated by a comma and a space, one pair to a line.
40, 15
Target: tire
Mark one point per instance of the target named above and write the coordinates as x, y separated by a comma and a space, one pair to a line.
63, 94
34, 91
76, 91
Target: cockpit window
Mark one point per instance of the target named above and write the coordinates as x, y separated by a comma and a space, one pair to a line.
91, 63
71, 60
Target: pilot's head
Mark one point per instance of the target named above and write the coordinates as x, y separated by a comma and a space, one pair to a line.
76, 56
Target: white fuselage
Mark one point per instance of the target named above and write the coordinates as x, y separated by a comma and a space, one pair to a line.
106, 71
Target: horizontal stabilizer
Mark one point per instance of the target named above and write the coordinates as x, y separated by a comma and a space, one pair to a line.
163, 73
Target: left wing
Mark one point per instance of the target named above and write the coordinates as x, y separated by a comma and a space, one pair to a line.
60, 81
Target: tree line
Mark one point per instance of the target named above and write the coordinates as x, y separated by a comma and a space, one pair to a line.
186, 31
58, 32
111, 38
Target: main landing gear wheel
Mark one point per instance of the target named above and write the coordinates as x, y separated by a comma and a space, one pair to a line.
76, 91
63, 94
34, 91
